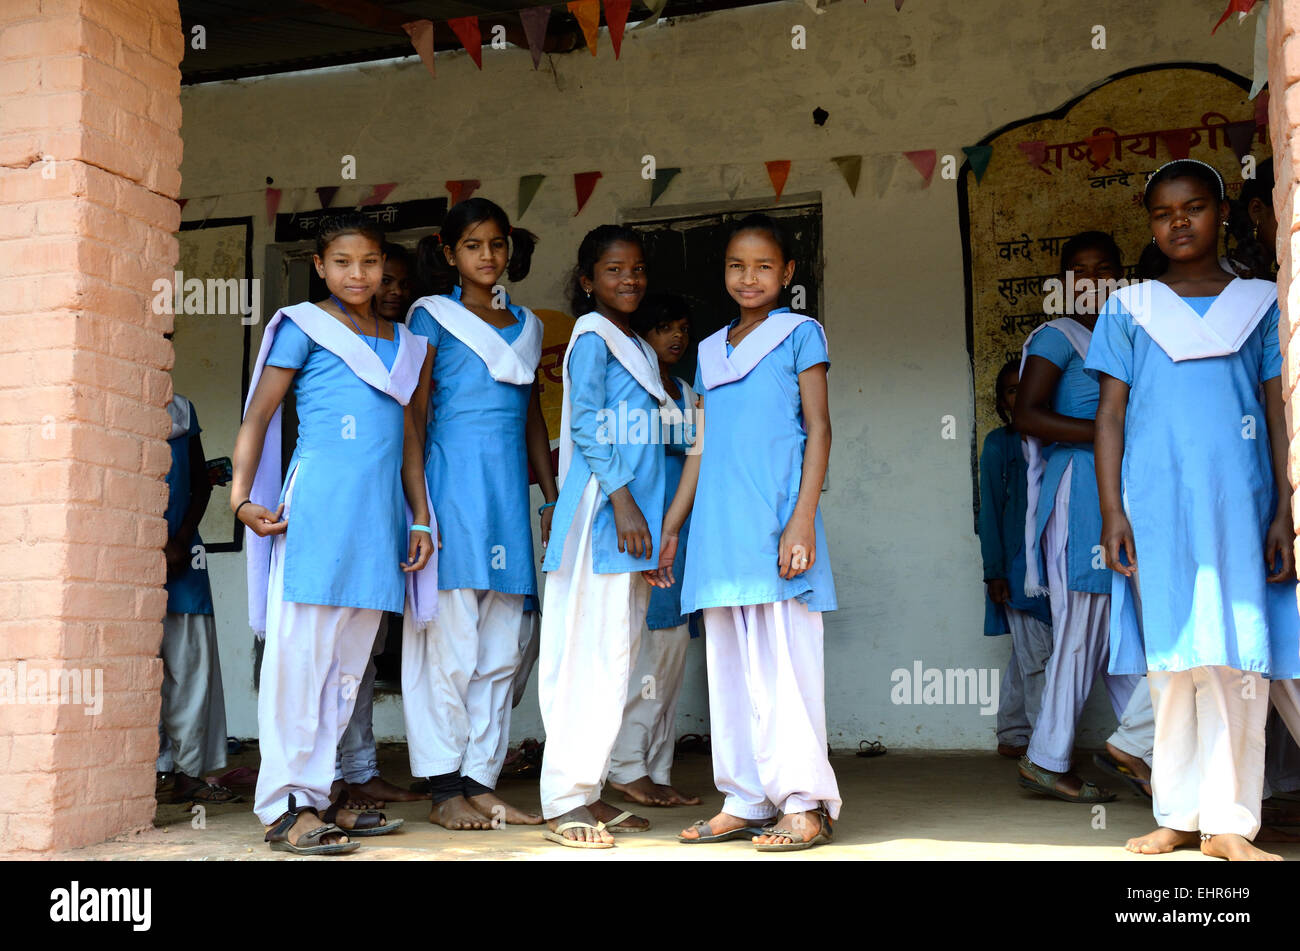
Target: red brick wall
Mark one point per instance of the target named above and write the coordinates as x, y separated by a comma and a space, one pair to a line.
95, 86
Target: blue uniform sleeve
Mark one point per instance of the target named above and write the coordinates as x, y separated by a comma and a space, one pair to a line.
993, 503
699, 385
290, 347
1271, 363
422, 324
809, 346
592, 422
1111, 350
1052, 345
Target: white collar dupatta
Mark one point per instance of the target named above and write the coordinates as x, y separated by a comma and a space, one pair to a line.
1080, 337
399, 383
717, 368
507, 362
1182, 333
636, 356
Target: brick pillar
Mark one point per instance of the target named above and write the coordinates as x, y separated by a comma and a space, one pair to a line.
89, 171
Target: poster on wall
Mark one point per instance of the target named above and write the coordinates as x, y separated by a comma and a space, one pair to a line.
1083, 168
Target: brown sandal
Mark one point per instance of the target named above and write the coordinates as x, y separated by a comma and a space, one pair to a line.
278, 836
369, 823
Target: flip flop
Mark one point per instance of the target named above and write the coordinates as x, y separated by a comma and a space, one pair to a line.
1108, 764
207, 794
612, 824
825, 834
871, 748
369, 823
556, 836
1042, 781
744, 832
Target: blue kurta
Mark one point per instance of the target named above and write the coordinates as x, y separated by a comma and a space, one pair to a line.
1198, 485
190, 592
749, 483
476, 463
347, 522
665, 609
1003, 489
1076, 395
616, 438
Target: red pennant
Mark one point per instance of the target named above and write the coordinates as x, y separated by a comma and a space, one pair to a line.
534, 21
1178, 141
1234, 6
616, 12
584, 183
1035, 152
1100, 149
587, 13
898, 5
421, 34
467, 31
1240, 135
325, 194
379, 193
778, 171
182, 202
462, 188
1261, 108
272, 204
924, 161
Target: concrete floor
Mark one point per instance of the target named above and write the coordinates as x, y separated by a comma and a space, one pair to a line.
919, 805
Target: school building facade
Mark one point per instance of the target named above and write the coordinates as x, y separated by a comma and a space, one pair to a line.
92, 167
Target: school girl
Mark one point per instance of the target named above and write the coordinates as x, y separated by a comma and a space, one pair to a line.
485, 427
328, 550
1007, 609
1055, 409
1191, 468
757, 564
606, 531
642, 761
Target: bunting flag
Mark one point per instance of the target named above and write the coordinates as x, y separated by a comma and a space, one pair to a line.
978, 156
534, 20
584, 183
898, 5
272, 204
378, 194
1178, 142
182, 202
421, 34
923, 160
528, 185
778, 171
470, 36
882, 172
587, 13
325, 194
1239, 136
1035, 152
1240, 7
659, 184
1261, 109
732, 178
616, 12
462, 188
850, 167
1261, 51
1100, 149
656, 7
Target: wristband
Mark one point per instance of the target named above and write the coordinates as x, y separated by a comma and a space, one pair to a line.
421, 528
241, 505
548, 505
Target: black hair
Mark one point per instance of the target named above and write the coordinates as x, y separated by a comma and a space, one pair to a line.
594, 245
432, 268
657, 310
347, 222
1153, 261
1249, 256
999, 389
397, 252
1090, 241
770, 226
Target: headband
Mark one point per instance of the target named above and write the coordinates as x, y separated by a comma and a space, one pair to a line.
1223, 194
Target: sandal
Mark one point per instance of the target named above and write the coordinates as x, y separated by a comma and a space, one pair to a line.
612, 824
369, 823
557, 836
694, 743
278, 836
825, 834
1108, 764
207, 794
747, 831
1044, 781
871, 748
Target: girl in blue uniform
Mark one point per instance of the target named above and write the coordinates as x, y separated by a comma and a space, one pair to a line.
1055, 409
757, 564
1196, 516
485, 428
328, 551
606, 531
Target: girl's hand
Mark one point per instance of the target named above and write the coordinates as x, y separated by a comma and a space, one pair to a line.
262, 520
1116, 537
662, 577
633, 532
419, 552
798, 550
1277, 544
548, 515
999, 590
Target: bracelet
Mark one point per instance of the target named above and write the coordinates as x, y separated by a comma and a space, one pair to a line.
548, 505
241, 505
421, 528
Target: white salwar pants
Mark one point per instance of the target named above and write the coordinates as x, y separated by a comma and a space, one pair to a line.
193, 718
591, 632
1208, 770
1020, 699
312, 667
1080, 648
358, 760
767, 707
458, 679
645, 741
1136, 734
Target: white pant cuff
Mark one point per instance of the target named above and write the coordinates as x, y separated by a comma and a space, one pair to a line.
744, 810
435, 767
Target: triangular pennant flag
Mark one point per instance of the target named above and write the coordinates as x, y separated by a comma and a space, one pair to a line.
616, 12
923, 160
325, 194
778, 170
1240, 7
182, 202
534, 20
656, 7
584, 183
1239, 136
470, 36
1261, 109
377, 195
659, 184
272, 204
850, 167
898, 5
587, 13
421, 34
1100, 149
1261, 52
528, 185
978, 156
732, 178
1035, 152
882, 172
462, 188
1178, 142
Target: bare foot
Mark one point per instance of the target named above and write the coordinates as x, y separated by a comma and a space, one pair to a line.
1235, 848
458, 815
641, 791
497, 809
308, 820
377, 791
722, 822
675, 798
338, 786
804, 825
581, 814
1161, 841
604, 812
1134, 764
